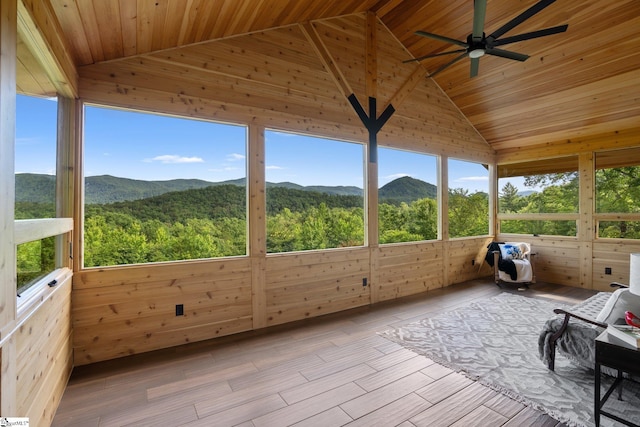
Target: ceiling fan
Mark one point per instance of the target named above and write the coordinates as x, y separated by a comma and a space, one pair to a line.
478, 44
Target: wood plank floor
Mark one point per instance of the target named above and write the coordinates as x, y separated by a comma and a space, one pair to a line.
329, 371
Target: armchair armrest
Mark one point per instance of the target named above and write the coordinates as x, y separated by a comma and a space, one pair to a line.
618, 285
569, 315
565, 323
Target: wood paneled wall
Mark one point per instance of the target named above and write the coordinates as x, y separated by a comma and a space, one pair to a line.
296, 78
44, 354
293, 78
128, 310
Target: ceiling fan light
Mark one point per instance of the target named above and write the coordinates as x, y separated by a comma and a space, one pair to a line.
476, 53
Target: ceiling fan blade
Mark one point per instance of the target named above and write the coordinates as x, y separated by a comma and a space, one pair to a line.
520, 18
475, 66
420, 58
456, 59
441, 38
479, 12
507, 54
531, 35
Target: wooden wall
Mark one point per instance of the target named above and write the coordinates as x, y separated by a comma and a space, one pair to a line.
122, 311
293, 78
35, 329
580, 261
44, 354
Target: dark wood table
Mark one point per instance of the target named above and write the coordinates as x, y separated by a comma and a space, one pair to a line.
618, 355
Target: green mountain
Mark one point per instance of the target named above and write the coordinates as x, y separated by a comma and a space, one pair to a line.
406, 189
219, 201
105, 189
110, 189
31, 187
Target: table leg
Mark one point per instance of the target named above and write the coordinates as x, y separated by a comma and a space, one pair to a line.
596, 393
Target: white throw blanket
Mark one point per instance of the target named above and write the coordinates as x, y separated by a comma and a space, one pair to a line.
523, 271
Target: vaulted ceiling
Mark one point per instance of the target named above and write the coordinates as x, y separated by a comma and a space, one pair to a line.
583, 84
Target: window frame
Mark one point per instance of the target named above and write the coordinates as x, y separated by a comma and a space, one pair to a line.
82, 203
448, 204
61, 227
540, 167
365, 198
438, 160
612, 159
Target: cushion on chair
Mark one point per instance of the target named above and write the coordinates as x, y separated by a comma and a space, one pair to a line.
518, 252
512, 251
620, 301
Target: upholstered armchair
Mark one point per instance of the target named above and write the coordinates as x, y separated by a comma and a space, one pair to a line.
512, 262
573, 332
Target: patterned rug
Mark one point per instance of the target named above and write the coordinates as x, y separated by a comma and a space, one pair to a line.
494, 341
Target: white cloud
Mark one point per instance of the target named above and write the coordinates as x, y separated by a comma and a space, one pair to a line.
473, 179
234, 157
172, 158
27, 141
273, 167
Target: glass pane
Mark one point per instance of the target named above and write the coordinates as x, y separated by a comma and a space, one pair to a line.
468, 199
547, 193
539, 227
162, 188
618, 190
407, 197
619, 229
314, 193
35, 157
35, 260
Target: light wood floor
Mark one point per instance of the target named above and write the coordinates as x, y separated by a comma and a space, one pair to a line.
328, 371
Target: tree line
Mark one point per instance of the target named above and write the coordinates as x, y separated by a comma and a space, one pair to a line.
211, 222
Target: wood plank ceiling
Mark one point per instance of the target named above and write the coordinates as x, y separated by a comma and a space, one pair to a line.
580, 85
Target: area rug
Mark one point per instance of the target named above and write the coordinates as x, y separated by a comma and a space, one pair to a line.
494, 341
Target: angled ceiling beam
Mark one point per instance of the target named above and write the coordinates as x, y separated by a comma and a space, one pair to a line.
371, 120
325, 57
371, 56
40, 31
408, 86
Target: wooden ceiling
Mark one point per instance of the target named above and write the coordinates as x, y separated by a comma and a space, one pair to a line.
580, 85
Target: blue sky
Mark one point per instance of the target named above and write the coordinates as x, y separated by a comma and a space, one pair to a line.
150, 147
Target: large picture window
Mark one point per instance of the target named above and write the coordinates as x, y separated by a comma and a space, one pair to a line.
468, 199
314, 193
161, 188
407, 197
539, 197
618, 194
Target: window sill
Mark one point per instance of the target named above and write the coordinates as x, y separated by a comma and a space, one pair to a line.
36, 295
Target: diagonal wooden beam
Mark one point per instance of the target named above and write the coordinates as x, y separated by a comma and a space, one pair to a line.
41, 32
371, 55
327, 60
408, 86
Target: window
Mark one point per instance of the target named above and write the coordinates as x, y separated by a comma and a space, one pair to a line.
315, 196
35, 191
468, 199
161, 188
618, 194
539, 197
407, 197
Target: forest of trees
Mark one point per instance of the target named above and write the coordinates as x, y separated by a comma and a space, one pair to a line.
211, 221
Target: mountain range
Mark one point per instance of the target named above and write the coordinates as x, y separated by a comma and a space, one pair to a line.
104, 189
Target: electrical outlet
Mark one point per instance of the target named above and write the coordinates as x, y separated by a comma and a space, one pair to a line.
179, 310
607, 270
364, 281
